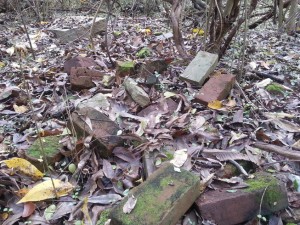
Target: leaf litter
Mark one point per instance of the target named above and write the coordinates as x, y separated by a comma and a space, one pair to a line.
214, 136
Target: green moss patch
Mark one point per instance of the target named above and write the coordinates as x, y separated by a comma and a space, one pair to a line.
51, 147
275, 88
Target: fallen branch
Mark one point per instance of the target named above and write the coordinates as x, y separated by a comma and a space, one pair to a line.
277, 149
266, 75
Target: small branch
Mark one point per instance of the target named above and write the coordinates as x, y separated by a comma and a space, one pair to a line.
277, 149
266, 75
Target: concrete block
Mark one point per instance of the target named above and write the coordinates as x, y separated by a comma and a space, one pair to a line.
161, 200
75, 31
199, 69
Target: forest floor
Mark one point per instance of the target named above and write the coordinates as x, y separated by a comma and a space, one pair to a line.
36, 100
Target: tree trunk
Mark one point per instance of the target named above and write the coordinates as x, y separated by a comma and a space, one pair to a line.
291, 25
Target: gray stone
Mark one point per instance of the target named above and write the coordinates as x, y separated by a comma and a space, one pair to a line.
137, 93
71, 34
199, 69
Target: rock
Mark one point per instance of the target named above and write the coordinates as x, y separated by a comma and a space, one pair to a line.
82, 78
73, 33
161, 200
218, 87
151, 66
99, 100
199, 69
51, 148
79, 61
137, 93
103, 130
125, 68
226, 208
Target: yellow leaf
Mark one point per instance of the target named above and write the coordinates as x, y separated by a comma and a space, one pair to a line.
24, 167
215, 104
169, 94
85, 211
44, 22
2, 64
45, 190
198, 31
20, 109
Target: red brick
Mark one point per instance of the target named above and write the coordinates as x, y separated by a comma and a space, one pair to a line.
79, 61
82, 78
225, 208
216, 88
104, 130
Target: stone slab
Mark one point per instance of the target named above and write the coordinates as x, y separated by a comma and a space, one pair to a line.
161, 200
226, 208
104, 130
218, 87
199, 69
79, 32
137, 93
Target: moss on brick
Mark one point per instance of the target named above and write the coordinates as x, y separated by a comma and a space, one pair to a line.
51, 147
155, 197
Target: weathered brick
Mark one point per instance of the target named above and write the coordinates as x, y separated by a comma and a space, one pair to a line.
216, 88
78, 61
226, 208
199, 69
82, 78
104, 130
161, 200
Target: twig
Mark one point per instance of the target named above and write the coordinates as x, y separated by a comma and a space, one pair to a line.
93, 25
279, 150
239, 167
266, 75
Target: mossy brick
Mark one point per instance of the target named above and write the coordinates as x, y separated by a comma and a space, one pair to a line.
217, 87
104, 131
199, 69
226, 208
161, 200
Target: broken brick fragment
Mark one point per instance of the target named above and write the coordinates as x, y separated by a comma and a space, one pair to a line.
218, 87
227, 207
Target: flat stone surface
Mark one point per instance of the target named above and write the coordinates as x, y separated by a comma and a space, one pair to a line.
137, 93
161, 200
104, 130
98, 100
225, 208
199, 69
74, 32
217, 87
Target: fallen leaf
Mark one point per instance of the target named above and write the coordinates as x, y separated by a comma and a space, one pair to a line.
45, 190
169, 94
29, 208
105, 199
49, 212
24, 167
180, 156
215, 104
130, 204
20, 109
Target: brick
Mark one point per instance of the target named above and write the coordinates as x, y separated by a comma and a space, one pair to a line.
161, 200
78, 61
104, 130
82, 78
199, 69
217, 87
225, 208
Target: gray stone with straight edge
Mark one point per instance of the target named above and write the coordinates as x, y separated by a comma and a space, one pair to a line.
161, 200
199, 69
